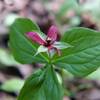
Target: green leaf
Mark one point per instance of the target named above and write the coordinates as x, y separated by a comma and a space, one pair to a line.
42, 85
23, 49
84, 57
13, 85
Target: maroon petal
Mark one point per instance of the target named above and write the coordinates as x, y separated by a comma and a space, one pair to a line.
52, 33
35, 37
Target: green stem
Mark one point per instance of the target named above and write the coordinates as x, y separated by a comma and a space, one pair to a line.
50, 60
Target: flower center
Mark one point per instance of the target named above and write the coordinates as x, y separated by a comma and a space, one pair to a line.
48, 42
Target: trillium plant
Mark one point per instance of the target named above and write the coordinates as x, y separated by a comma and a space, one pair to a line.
78, 52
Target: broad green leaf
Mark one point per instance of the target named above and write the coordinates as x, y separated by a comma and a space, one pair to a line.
22, 48
43, 85
13, 85
62, 45
84, 57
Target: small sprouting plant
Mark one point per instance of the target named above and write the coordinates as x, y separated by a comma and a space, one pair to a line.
78, 52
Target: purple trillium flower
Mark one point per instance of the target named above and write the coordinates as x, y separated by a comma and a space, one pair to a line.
48, 43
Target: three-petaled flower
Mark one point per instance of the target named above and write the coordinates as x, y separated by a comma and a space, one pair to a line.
49, 42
